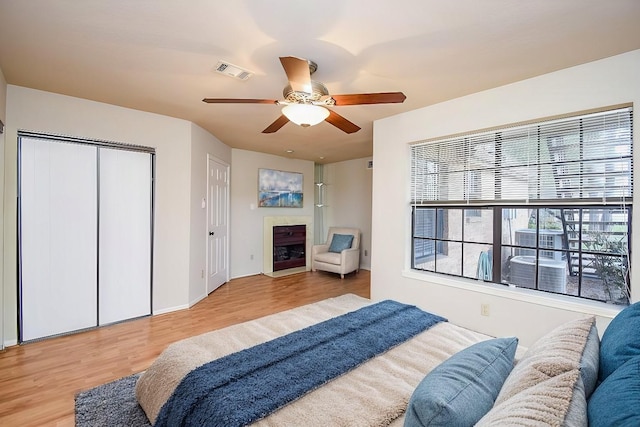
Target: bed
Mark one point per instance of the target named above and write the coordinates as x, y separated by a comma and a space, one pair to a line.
437, 376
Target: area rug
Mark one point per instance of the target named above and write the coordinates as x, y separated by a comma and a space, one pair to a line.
113, 404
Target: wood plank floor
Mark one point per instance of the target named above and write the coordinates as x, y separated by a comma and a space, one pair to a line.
38, 381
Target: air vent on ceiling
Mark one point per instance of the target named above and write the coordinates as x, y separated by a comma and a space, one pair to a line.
233, 71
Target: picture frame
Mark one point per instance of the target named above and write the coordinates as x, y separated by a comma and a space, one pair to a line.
280, 189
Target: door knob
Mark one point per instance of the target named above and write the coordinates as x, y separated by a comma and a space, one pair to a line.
211, 233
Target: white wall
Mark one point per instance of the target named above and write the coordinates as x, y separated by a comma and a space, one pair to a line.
348, 201
34, 110
247, 218
602, 83
3, 117
203, 143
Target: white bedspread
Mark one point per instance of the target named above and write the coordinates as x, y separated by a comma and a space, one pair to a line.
374, 394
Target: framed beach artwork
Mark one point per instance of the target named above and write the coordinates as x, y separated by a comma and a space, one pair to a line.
279, 189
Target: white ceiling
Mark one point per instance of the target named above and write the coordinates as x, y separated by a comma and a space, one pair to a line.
160, 55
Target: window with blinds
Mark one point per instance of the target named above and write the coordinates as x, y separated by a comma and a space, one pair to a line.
546, 205
578, 159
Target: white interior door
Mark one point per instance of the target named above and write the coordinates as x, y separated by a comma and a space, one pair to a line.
125, 235
217, 223
58, 237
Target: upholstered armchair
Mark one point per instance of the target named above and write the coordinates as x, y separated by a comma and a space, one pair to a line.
340, 254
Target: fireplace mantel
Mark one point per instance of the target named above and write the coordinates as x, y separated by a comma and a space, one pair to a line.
269, 223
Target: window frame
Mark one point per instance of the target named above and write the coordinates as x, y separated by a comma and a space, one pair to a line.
474, 204
497, 245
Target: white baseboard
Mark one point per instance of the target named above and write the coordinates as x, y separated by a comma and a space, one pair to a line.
170, 309
197, 300
10, 343
246, 275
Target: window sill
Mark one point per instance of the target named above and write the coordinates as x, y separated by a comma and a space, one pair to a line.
520, 294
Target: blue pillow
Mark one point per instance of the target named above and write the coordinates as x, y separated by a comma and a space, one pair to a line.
463, 388
616, 402
620, 341
340, 242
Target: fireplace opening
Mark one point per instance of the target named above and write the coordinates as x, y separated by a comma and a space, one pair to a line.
289, 246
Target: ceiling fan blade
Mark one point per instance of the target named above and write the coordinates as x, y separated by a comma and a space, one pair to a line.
298, 73
238, 101
275, 126
370, 98
341, 123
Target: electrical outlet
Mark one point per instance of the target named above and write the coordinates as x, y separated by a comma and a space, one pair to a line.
366, 253
484, 309
251, 257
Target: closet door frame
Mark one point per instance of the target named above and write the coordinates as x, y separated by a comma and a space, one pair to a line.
50, 138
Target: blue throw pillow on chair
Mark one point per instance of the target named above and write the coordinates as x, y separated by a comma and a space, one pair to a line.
340, 242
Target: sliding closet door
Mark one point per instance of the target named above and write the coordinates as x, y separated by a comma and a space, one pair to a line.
125, 235
58, 237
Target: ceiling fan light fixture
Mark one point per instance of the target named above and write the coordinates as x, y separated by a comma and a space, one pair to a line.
305, 115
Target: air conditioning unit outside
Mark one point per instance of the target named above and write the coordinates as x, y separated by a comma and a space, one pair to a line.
552, 274
548, 239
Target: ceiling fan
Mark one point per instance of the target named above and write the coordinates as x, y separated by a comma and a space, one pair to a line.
306, 101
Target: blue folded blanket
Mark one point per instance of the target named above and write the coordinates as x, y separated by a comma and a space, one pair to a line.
248, 385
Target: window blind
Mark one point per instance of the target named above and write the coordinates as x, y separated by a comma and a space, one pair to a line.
580, 160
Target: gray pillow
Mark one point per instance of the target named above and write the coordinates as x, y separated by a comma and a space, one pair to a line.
463, 388
577, 413
590, 361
